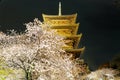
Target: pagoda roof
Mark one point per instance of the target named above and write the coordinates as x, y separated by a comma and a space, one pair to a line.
71, 17
75, 51
62, 16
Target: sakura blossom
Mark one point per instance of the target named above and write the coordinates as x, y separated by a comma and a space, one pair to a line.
39, 53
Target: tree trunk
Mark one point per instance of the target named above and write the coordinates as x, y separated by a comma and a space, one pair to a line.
28, 76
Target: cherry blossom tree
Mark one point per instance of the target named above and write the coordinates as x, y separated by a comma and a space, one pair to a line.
38, 52
102, 74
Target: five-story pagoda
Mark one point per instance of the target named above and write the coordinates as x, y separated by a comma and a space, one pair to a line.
67, 27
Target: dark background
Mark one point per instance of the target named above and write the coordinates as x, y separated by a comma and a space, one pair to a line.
99, 23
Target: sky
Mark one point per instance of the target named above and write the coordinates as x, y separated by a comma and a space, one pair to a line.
99, 22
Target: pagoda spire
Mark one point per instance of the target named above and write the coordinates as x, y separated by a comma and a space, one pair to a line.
59, 9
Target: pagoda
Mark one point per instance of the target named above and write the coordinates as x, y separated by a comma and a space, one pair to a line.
67, 27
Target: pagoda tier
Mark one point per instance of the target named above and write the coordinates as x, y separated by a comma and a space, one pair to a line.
56, 19
72, 41
68, 29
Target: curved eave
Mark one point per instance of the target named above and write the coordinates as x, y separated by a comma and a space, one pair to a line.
65, 26
51, 16
75, 51
74, 36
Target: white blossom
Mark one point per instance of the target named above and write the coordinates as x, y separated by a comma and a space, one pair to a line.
102, 74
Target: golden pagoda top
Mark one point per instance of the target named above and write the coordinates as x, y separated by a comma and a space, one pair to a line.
60, 13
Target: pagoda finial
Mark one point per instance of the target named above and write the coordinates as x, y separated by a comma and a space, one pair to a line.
59, 9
